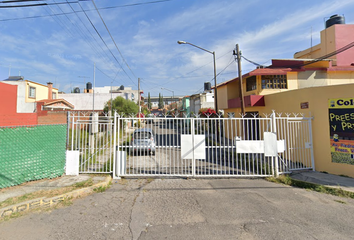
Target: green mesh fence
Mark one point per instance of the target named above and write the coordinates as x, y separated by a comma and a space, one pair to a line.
31, 153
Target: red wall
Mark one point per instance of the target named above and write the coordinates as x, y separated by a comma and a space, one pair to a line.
8, 98
8, 105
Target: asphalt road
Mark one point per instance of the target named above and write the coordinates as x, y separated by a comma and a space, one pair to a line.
192, 209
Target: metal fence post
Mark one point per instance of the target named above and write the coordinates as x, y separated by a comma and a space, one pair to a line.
274, 130
68, 129
116, 167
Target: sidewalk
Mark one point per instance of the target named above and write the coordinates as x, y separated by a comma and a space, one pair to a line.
46, 184
328, 180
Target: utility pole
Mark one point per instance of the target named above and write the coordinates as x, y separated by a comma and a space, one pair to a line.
111, 110
139, 97
93, 90
237, 55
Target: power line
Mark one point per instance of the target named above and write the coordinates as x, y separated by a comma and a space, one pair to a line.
113, 79
102, 8
106, 45
33, 5
184, 76
103, 54
113, 39
231, 61
251, 61
342, 49
195, 69
85, 38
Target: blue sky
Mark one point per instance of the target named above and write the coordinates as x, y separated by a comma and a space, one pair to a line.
63, 48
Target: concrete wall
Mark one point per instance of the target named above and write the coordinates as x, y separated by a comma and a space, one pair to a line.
107, 89
317, 98
84, 101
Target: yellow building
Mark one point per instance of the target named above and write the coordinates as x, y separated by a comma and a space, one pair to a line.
306, 84
28, 93
36, 91
32, 91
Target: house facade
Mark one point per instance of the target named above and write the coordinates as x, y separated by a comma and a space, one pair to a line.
318, 82
29, 92
201, 100
24, 102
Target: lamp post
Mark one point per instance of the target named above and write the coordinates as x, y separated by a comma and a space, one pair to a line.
215, 91
173, 94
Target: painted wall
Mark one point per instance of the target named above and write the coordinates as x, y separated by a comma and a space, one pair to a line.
344, 36
332, 39
223, 96
8, 99
41, 91
84, 101
8, 105
22, 105
317, 98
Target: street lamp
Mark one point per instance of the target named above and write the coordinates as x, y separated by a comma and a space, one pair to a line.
173, 93
215, 91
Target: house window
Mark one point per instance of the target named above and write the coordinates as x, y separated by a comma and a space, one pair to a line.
274, 82
54, 95
251, 83
32, 92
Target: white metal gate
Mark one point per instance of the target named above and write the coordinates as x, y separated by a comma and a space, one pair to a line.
93, 136
213, 147
191, 147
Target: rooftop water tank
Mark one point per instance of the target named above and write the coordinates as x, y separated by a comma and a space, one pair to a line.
88, 85
121, 87
335, 19
207, 86
77, 90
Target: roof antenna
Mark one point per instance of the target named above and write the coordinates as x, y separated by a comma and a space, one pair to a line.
311, 44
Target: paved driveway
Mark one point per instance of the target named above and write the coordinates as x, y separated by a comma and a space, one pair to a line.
192, 209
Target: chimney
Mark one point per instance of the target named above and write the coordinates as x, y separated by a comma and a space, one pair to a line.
50, 90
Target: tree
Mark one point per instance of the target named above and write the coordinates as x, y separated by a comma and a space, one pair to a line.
149, 101
122, 106
161, 105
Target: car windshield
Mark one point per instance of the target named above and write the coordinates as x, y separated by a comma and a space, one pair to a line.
142, 135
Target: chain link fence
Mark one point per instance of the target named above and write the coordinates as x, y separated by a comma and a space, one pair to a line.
31, 153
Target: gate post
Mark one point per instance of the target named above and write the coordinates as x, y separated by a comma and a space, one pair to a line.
115, 147
274, 130
310, 138
193, 133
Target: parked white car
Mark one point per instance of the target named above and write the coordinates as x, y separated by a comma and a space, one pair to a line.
143, 141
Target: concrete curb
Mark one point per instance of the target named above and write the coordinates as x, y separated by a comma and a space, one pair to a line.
50, 202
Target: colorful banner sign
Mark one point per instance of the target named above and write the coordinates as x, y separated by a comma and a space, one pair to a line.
341, 124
